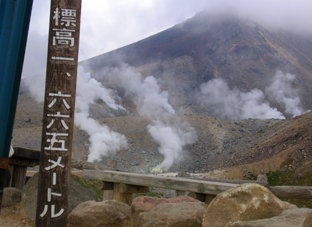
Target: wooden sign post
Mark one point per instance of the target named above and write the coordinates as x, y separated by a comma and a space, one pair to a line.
59, 108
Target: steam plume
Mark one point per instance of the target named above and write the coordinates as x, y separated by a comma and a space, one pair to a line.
171, 137
234, 104
103, 140
282, 92
170, 132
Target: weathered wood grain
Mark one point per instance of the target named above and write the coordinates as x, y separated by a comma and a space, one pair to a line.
121, 197
19, 177
101, 185
292, 192
126, 188
174, 183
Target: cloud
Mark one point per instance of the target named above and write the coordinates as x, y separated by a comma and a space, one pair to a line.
35, 61
108, 25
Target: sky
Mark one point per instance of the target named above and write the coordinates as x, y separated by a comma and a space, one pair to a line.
109, 24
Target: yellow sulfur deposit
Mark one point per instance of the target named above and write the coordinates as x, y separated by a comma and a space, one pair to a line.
156, 170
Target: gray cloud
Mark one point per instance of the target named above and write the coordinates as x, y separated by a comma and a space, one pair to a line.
108, 25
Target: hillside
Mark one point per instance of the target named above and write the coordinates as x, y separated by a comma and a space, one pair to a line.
220, 142
242, 53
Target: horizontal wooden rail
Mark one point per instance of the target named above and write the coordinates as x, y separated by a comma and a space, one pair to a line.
292, 192
174, 183
202, 186
80, 164
190, 185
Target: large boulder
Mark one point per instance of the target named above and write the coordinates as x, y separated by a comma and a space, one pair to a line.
11, 197
177, 211
108, 213
243, 203
308, 221
288, 218
77, 195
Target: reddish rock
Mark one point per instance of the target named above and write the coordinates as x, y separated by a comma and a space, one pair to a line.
185, 214
109, 213
145, 204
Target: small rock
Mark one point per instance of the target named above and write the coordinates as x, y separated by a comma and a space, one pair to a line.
262, 177
27, 120
11, 197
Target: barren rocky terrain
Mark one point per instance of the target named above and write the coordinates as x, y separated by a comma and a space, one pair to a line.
221, 143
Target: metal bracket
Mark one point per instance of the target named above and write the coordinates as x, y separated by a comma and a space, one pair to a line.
4, 163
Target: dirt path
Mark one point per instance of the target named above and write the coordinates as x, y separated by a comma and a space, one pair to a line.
15, 217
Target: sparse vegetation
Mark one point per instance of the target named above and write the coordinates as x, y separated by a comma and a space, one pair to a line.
87, 183
289, 176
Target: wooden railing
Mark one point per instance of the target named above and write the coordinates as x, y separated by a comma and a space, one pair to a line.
121, 185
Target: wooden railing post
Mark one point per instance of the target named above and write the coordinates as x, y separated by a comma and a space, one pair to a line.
181, 174
123, 192
209, 198
18, 177
108, 194
206, 198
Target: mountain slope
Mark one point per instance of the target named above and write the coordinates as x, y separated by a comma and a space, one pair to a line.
221, 143
243, 53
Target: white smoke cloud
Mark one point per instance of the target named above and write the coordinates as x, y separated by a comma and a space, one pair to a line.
170, 132
36, 86
234, 104
282, 92
171, 137
103, 140
89, 90
145, 92
167, 129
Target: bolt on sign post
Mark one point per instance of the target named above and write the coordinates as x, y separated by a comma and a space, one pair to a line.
59, 108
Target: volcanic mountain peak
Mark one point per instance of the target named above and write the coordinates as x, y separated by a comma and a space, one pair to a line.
242, 53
